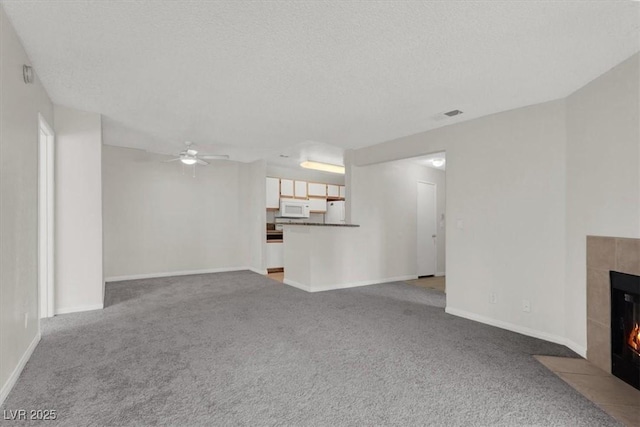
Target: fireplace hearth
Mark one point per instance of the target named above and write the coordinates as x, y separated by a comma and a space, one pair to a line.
625, 327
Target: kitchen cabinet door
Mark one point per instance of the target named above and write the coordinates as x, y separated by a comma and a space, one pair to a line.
286, 188
300, 189
333, 190
317, 189
275, 255
317, 205
273, 193
342, 191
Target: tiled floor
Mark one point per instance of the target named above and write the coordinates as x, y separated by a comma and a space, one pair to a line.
613, 395
438, 283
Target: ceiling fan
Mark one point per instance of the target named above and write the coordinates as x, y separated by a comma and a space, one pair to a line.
190, 156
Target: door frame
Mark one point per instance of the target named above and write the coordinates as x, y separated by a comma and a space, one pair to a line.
435, 218
46, 225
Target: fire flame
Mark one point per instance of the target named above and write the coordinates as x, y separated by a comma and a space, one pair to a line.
634, 339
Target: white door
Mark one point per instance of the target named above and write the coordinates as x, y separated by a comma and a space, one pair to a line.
426, 229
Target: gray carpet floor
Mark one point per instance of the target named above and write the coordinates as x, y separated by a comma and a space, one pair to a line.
241, 349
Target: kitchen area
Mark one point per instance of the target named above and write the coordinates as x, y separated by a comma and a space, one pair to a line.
298, 202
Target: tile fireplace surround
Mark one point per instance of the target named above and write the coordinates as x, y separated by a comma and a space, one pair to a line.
605, 254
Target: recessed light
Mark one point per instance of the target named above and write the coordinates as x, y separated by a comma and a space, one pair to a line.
437, 162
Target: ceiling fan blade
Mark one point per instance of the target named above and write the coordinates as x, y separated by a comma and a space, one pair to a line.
171, 160
214, 156
202, 162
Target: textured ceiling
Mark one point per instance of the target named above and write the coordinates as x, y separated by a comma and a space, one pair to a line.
255, 78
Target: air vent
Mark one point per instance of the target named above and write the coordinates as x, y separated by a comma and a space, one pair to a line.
453, 113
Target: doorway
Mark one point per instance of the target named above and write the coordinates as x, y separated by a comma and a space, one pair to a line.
46, 158
427, 229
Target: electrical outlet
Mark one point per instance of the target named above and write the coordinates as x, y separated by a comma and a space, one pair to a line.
26, 320
526, 306
493, 298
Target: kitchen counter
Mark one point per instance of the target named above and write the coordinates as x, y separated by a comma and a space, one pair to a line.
318, 224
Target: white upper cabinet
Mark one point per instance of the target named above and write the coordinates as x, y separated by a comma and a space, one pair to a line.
317, 190
300, 189
273, 193
317, 205
333, 190
286, 187
342, 192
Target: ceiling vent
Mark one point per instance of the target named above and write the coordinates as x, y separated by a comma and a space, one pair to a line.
453, 113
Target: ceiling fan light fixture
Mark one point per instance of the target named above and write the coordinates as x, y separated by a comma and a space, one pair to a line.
188, 160
324, 167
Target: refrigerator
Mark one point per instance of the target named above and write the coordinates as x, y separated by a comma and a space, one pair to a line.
335, 213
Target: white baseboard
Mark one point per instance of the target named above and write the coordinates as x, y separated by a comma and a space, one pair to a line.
68, 310
347, 285
581, 350
296, 285
255, 270
13, 378
518, 329
176, 273
440, 274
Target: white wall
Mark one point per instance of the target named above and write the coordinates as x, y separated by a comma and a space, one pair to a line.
253, 214
529, 185
385, 203
159, 220
603, 175
505, 181
78, 215
19, 107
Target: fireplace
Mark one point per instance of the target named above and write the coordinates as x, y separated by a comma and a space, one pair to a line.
625, 327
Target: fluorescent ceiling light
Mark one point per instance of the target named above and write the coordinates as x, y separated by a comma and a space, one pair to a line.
188, 160
437, 162
325, 167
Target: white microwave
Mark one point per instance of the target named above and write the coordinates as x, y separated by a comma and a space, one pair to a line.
294, 208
